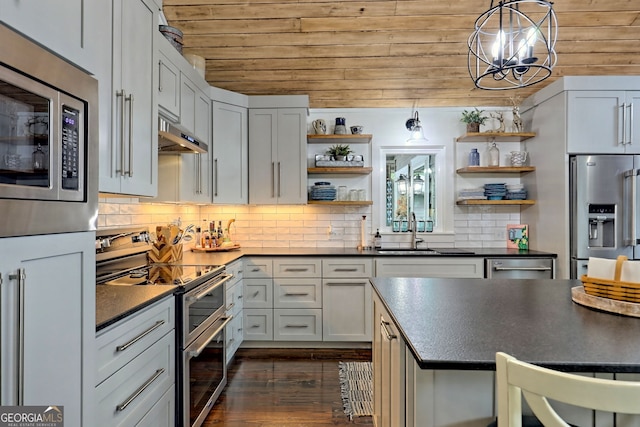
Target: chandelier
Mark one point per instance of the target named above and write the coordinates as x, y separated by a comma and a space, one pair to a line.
513, 45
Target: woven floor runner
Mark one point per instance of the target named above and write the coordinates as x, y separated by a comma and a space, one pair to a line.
356, 384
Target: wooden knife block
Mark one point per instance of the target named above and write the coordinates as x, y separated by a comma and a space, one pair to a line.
166, 254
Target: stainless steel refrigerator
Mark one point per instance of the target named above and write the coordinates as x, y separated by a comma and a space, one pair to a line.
603, 208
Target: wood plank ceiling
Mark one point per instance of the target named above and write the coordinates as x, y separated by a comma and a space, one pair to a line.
384, 53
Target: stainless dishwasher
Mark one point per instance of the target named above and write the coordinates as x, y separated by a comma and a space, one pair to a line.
520, 268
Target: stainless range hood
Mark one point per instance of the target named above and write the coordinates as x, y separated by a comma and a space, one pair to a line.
174, 140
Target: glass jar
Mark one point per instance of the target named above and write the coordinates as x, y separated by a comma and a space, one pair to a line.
494, 155
38, 159
474, 157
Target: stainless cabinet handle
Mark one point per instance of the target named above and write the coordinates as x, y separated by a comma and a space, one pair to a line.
20, 277
273, 179
279, 180
630, 107
120, 95
130, 99
160, 75
196, 352
385, 328
623, 107
632, 238
239, 296
296, 270
121, 407
230, 306
297, 326
137, 338
215, 175
205, 292
345, 283
255, 294
296, 294
522, 268
345, 270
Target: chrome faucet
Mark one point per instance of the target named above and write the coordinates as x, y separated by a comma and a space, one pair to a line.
414, 229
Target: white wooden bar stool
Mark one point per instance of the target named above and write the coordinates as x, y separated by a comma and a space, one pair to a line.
516, 379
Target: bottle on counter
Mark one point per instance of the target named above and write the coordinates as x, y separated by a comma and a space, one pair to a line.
377, 240
198, 236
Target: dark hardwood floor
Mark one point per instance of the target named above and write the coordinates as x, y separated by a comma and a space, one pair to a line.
285, 388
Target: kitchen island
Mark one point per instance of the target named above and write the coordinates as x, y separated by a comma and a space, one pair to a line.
435, 342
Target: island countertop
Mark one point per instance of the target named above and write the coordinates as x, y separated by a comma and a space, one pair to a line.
461, 324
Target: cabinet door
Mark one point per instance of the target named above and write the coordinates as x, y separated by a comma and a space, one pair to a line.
168, 87
129, 153
202, 125
55, 363
291, 168
633, 122
263, 154
346, 310
61, 26
595, 122
230, 154
194, 178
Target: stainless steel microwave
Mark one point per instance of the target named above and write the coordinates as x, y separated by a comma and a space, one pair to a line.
48, 141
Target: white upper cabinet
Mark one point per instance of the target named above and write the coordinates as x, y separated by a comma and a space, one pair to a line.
277, 154
603, 121
168, 86
63, 26
230, 154
128, 102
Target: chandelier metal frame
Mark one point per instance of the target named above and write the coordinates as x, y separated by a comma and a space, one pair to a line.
513, 45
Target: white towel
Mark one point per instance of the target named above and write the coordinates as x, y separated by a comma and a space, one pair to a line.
630, 272
601, 268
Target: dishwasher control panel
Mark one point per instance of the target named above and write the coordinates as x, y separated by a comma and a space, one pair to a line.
520, 268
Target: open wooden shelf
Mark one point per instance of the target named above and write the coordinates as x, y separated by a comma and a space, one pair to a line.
340, 139
341, 202
343, 170
496, 169
495, 202
496, 136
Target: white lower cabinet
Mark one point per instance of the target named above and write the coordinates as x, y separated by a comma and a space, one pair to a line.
417, 266
234, 331
297, 324
136, 369
47, 351
258, 324
346, 299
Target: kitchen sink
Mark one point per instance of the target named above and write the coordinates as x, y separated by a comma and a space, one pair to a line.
427, 251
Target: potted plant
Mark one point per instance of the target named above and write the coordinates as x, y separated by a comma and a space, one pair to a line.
473, 119
340, 152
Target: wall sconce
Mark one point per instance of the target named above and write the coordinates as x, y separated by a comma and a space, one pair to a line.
513, 45
401, 184
418, 185
417, 134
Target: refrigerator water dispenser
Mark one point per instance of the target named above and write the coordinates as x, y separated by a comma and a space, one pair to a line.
602, 220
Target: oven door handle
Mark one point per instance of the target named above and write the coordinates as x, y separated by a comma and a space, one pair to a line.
203, 293
200, 349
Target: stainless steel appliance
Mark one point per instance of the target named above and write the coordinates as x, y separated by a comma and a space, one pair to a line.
603, 208
173, 139
48, 142
201, 369
520, 268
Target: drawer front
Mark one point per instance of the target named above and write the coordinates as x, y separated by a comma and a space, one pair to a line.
258, 324
297, 267
257, 268
347, 267
258, 293
163, 413
459, 268
234, 302
234, 336
126, 396
297, 325
236, 269
121, 342
297, 293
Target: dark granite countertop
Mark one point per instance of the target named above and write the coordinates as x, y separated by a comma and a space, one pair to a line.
462, 323
114, 303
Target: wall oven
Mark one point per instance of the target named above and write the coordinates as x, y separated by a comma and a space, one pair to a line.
48, 141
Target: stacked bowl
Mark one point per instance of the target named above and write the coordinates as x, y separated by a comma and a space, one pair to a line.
323, 191
495, 191
516, 192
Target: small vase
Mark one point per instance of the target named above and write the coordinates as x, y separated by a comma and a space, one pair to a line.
473, 127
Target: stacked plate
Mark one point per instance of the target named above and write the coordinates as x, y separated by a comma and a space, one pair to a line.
495, 191
323, 191
516, 192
